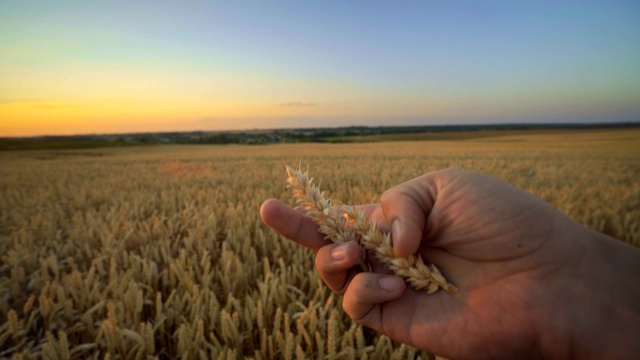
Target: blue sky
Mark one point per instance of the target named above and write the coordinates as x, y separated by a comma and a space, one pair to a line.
75, 67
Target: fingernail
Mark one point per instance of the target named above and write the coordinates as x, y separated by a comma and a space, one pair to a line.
396, 228
339, 252
389, 283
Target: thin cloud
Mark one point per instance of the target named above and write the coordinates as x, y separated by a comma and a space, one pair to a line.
38, 103
52, 105
298, 104
10, 101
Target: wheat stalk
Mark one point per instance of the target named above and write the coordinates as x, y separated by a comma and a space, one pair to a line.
346, 223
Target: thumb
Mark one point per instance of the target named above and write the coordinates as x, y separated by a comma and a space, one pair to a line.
406, 207
365, 295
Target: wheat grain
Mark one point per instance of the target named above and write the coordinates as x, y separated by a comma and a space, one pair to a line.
346, 223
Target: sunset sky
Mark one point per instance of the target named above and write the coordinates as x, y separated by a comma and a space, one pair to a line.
75, 67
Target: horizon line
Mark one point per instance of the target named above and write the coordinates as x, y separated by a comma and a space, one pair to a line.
500, 126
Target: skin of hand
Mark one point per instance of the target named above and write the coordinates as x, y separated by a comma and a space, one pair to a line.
533, 283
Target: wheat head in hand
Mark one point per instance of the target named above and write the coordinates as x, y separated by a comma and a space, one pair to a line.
346, 223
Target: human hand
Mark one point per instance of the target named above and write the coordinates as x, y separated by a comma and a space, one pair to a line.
514, 257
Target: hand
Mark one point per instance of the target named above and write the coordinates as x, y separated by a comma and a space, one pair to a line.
526, 272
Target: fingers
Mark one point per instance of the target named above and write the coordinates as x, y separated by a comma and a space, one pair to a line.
405, 207
365, 294
335, 264
292, 224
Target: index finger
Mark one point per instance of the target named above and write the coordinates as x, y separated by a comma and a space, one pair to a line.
292, 224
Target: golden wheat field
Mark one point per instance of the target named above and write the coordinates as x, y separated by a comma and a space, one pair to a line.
159, 252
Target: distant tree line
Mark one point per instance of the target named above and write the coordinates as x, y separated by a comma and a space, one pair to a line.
257, 137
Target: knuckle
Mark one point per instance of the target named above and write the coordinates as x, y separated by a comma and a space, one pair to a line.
295, 234
388, 196
355, 295
348, 309
321, 258
360, 284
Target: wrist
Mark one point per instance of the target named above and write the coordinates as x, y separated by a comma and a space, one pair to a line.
600, 303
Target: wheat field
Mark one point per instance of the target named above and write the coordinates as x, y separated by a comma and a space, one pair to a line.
159, 252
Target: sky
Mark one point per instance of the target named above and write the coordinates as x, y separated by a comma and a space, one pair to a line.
93, 67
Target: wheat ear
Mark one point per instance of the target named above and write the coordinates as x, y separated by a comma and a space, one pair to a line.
346, 223
319, 208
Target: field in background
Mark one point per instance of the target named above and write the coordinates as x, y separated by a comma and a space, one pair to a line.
529, 136
159, 251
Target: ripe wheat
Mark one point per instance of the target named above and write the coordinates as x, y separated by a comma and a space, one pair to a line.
346, 223
159, 252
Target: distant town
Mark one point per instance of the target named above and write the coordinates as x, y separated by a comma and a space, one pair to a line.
260, 137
